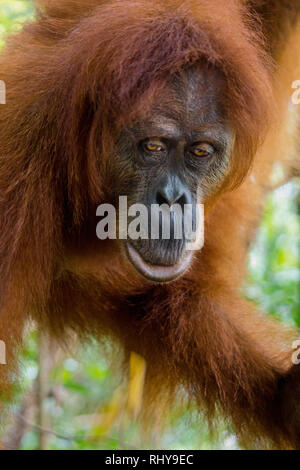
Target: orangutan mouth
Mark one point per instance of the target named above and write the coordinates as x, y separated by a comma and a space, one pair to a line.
157, 273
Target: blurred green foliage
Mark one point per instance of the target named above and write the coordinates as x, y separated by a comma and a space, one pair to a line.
81, 385
12, 14
274, 268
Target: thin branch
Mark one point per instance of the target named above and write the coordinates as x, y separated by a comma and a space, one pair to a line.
70, 438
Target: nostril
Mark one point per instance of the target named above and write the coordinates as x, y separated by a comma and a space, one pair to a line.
161, 199
182, 200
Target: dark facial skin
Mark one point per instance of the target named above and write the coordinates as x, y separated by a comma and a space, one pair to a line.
184, 146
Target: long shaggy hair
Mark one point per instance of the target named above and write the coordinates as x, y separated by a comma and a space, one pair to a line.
75, 77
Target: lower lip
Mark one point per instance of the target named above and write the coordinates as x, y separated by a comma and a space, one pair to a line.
157, 273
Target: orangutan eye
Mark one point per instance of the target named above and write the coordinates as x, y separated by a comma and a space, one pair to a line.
202, 150
154, 146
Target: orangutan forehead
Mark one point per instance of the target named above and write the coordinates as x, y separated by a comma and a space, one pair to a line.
191, 99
